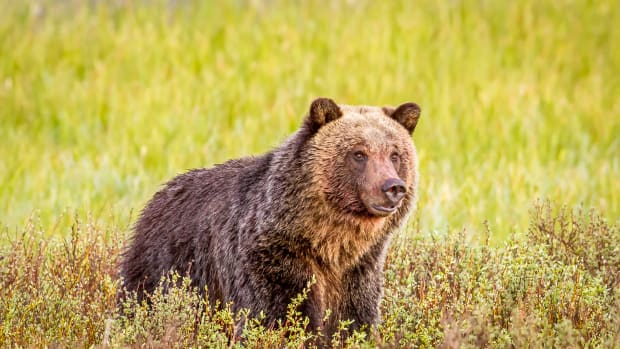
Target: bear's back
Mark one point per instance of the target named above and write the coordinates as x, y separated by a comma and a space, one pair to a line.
182, 225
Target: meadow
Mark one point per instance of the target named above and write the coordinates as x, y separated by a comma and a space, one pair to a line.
102, 102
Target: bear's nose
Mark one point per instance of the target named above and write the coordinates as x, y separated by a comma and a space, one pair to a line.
394, 189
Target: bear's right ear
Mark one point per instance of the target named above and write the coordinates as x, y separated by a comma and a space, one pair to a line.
406, 114
322, 111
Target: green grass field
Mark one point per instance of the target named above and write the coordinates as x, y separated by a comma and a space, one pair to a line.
101, 102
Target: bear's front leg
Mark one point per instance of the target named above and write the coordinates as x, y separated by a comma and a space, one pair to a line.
271, 278
363, 284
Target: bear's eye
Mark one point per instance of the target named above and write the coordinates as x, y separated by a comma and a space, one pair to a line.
394, 157
359, 156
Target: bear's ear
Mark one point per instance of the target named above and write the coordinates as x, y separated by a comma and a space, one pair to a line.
406, 114
322, 111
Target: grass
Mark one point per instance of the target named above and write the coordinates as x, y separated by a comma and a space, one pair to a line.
103, 102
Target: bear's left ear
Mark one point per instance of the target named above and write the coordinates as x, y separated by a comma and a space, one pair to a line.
406, 114
322, 111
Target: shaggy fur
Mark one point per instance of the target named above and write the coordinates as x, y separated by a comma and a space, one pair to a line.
255, 230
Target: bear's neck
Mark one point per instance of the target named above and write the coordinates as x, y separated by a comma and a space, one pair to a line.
340, 239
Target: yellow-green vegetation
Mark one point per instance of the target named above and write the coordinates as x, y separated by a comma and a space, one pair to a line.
558, 286
101, 102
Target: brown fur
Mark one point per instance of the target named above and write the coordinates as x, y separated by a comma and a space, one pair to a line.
255, 231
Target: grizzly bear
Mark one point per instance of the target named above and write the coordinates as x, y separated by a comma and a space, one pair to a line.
322, 206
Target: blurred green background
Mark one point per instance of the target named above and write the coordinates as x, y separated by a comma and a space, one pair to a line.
102, 102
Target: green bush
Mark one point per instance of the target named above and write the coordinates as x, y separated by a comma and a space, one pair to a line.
556, 286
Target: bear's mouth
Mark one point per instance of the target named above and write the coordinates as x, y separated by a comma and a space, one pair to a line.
380, 210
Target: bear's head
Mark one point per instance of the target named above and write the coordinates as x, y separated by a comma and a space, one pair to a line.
362, 158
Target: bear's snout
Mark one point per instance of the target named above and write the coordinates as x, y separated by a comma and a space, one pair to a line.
382, 191
394, 190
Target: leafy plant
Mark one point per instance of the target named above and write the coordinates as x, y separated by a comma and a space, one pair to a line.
543, 289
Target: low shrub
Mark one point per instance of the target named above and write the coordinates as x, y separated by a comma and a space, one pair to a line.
555, 286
